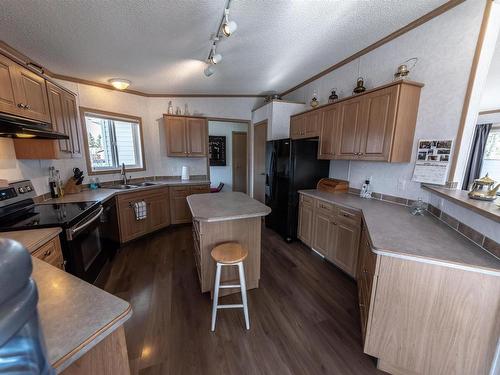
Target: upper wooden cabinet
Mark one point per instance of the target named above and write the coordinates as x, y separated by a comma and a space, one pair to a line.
305, 125
64, 119
22, 92
377, 125
186, 136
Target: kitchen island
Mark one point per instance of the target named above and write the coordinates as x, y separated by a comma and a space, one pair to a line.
226, 217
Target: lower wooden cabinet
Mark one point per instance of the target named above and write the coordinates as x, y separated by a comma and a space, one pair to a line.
179, 209
51, 253
158, 212
331, 230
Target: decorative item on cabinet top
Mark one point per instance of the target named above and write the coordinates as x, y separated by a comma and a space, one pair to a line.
403, 70
359, 86
333, 97
314, 101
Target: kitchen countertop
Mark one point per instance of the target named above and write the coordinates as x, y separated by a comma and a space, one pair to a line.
75, 315
32, 239
225, 206
104, 194
394, 231
460, 197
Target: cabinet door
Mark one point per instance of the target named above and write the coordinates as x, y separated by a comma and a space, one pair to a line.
349, 129
305, 223
329, 125
73, 124
197, 140
31, 92
175, 131
130, 228
321, 236
179, 208
8, 103
51, 253
297, 127
311, 123
379, 112
159, 210
59, 124
344, 249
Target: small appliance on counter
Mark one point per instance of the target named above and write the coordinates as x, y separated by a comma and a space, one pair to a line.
22, 346
482, 189
81, 239
74, 184
185, 173
333, 185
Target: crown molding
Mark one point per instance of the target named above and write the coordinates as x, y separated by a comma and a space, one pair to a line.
412, 25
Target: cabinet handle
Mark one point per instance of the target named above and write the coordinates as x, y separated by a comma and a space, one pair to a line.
346, 215
47, 253
22, 105
334, 223
361, 305
27, 106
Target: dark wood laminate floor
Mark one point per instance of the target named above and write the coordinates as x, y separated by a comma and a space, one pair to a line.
304, 317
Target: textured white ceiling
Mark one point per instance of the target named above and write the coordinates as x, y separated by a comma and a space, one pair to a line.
160, 45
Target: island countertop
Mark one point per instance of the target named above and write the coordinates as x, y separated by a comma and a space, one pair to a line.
75, 315
394, 231
212, 207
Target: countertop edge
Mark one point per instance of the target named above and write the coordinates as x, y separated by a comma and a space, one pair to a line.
115, 192
51, 233
69, 358
402, 254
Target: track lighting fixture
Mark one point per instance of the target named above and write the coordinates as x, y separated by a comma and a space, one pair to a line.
209, 70
228, 27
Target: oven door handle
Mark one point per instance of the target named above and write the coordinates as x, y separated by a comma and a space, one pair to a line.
83, 226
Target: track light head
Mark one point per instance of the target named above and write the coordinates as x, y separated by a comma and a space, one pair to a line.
209, 70
228, 27
216, 58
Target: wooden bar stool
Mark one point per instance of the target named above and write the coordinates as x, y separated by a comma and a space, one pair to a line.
229, 254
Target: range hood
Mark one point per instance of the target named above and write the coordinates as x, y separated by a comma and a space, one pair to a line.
18, 127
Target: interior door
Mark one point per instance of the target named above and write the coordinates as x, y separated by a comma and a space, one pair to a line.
259, 157
379, 119
329, 125
239, 161
349, 129
197, 140
175, 131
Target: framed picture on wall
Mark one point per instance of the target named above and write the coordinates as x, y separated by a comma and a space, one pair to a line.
217, 150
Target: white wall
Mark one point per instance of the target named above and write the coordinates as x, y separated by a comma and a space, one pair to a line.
225, 173
150, 110
445, 47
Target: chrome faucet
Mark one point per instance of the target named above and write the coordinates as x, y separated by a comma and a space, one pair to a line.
123, 173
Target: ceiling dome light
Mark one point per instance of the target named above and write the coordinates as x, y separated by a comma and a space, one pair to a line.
119, 83
228, 27
209, 70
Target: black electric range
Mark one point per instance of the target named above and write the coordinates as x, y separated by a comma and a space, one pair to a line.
82, 244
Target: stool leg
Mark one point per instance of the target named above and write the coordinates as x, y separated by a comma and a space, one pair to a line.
216, 295
244, 294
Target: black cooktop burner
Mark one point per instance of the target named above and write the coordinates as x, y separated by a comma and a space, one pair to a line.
47, 215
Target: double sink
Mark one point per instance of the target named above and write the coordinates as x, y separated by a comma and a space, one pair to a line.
130, 186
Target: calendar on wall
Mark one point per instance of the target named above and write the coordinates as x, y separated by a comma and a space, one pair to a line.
217, 150
433, 161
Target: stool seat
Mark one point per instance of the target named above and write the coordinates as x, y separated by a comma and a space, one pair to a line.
229, 253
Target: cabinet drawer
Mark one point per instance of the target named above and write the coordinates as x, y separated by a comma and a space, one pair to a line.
179, 192
325, 208
51, 253
347, 213
199, 189
308, 201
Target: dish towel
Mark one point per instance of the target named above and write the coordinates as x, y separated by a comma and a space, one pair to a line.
141, 211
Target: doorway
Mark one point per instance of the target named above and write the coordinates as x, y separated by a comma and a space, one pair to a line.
228, 157
259, 157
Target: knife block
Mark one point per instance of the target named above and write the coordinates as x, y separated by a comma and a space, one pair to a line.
71, 187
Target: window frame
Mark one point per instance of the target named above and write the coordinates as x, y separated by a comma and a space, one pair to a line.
110, 116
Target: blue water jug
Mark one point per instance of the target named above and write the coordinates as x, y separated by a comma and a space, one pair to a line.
22, 347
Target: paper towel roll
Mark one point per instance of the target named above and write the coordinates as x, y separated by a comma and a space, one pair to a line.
185, 173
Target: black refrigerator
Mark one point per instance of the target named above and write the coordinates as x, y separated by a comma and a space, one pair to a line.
291, 165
